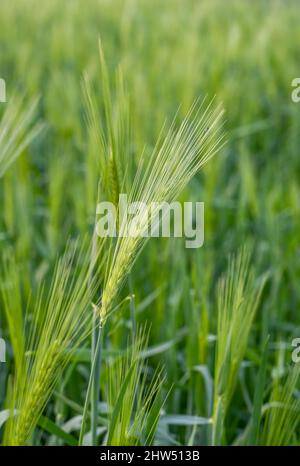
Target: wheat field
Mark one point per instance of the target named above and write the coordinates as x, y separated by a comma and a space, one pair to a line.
130, 340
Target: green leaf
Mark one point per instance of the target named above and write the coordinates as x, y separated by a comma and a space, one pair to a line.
218, 423
49, 426
118, 406
185, 420
4, 415
258, 397
153, 418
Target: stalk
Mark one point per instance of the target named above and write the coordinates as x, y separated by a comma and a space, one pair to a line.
95, 391
95, 353
217, 423
132, 307
90, 386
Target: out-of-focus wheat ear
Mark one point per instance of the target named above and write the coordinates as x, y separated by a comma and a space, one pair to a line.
281, 415
237, 298
17, 130
10, 292
113, 179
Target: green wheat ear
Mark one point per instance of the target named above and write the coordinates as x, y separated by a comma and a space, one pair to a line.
113, 178
157, 178
45, 373
238, 298
60, 321
161, 178
281, 415
134, 405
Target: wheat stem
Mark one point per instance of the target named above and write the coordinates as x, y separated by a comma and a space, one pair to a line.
95, 392
90, 386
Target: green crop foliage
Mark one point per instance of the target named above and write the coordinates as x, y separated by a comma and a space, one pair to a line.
135, 340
